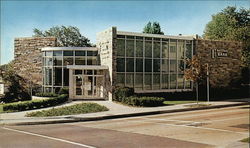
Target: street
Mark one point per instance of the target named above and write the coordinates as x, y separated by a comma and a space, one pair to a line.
222, 127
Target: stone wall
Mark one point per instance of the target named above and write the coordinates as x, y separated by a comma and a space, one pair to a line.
28, 57
224, 59
106, 43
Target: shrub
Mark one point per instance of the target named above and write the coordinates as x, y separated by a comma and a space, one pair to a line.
28, 105
69, 110
143, 101
46, 94
63, 90
121, 93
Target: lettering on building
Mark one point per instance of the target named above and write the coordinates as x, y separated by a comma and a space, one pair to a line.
217, 53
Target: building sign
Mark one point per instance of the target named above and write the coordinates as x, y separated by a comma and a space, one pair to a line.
217, 53
1, 89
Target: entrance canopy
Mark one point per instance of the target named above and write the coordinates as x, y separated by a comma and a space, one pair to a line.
87, 81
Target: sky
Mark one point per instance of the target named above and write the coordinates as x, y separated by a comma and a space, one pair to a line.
19, 18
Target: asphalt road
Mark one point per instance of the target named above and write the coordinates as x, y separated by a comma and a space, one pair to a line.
194, 129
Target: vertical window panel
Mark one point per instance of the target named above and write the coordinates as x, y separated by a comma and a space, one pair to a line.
130, 64
157, 49
130, 48
120, 66
148, 81
172, 81
148, 65
156, 81
157, 65
164, 50
120, 47
138, 81
120, 79
139, 65
148, 49
129, 80
139, 48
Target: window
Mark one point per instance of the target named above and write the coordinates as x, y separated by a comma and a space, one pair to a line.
57, 61
120, 79
157, 65
138, 81
58, 76
92, 53
148, 65
48, 62
148, 81
156, 81
67, 53
120, 47
129, 79
189, 51
80, 53
130, 48
180, 81
91, 61
65, 77
130, 64
164, 50
164, 66
172, 65
157, 49
148, 49
67, 61
173, 81
57, 53
49, 53
139, 65
139, 49
80, 61
120, 66
181, 66
48, 76
164, 81
180, 54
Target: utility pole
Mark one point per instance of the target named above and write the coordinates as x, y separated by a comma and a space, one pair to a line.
207, 68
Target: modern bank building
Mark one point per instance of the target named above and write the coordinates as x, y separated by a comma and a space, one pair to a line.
149, 63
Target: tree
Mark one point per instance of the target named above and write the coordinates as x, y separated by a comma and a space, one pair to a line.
231, 24
195, 72
154, 28
15, 84
66, 36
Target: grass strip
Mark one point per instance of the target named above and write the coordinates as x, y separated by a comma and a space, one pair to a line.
69, 110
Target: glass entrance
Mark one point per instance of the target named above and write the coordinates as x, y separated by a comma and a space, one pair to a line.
88, 86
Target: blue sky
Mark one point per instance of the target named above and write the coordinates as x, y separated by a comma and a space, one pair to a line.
19, 18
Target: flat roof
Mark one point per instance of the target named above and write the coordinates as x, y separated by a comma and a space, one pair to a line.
182, 37
69, 48
88, 67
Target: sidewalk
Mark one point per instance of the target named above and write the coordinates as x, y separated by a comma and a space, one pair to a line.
115, 111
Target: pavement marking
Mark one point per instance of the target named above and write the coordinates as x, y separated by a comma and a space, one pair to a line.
207, 128
52, 138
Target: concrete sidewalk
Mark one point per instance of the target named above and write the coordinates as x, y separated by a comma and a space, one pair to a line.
116, 110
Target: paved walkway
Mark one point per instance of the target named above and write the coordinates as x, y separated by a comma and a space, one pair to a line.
116, 110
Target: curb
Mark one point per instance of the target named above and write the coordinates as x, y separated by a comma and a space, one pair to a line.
71, 119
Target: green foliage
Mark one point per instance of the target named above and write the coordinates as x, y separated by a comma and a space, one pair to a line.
64, 90
247, 140
66, 36
120, 93
46, 94
154, 28
70, 110
231, 24
28, 105
143, 101
16, 90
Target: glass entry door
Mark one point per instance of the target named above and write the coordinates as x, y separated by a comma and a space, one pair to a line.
88, 86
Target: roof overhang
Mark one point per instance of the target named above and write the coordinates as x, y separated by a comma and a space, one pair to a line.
69, 48
88, 67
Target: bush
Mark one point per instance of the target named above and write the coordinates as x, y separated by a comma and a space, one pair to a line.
63, 90
28, 105
121, 93
143, 101
46, 94
69, 110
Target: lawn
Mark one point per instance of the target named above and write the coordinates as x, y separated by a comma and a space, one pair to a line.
69, 110
178, 102
1, 108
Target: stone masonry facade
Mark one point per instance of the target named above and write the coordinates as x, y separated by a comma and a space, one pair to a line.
28, 57
223, 58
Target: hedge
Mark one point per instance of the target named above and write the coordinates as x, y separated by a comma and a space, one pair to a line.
143, 101
46, 94
29, 105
